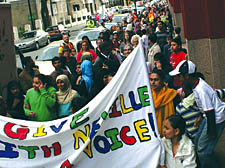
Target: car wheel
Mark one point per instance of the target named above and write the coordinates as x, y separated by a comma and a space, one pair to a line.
48, 41
37, 46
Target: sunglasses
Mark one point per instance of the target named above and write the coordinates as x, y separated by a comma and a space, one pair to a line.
154, 79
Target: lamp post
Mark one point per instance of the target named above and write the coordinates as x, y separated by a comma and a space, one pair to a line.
31, 18
51, 8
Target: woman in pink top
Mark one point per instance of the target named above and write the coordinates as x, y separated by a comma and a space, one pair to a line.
85, 48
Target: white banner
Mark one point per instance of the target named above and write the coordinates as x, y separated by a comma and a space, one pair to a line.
117, 129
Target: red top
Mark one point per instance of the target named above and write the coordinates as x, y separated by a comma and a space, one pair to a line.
90, 51
175, 59
97, 17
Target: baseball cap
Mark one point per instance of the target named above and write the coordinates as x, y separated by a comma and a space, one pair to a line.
115, 32
185, 67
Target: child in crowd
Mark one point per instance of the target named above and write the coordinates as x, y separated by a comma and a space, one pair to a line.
39, 103
179, 149
73, 52
15, 100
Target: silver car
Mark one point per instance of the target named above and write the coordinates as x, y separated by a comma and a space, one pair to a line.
44, 61
92, 34
33, 40
118, 18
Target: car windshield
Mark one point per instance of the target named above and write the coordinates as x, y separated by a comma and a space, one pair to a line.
29, 35
52, 28
49, 53
92, 35
101, 16
109, 25
117, 19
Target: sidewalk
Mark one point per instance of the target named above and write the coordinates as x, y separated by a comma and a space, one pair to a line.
220, 150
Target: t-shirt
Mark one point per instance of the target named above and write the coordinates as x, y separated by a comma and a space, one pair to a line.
190, 113
65, 109
207, 100
42, 103
161, 38
176, 58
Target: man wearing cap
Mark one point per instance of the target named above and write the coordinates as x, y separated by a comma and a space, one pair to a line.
213, 109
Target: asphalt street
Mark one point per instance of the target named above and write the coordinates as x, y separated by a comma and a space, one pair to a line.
73, 33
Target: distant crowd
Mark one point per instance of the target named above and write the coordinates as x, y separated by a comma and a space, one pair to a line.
190, 114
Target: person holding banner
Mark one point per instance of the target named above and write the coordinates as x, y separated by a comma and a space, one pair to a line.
165, 99
65, 96
40, 100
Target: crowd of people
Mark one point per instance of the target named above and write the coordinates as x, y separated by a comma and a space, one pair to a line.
189, 113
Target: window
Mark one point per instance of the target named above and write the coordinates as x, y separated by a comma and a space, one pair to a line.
76, 7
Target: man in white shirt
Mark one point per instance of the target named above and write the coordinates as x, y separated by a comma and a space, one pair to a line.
144, 38
213, 109
154, 48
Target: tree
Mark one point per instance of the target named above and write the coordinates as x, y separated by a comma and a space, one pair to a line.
44, 14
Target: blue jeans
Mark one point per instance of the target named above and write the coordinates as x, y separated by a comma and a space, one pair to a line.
205, 146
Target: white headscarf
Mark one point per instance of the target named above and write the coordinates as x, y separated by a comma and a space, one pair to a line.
67, 94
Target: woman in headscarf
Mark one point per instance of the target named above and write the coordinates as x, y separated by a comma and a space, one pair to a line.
165, 99
86, 71
65, 96
84, 82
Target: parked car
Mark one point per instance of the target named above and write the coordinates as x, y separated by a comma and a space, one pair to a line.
125, 9
91, 33
19, 57
153, 2
56, 32
118, 18
109, 25
44, 62
103, 18
33, 40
